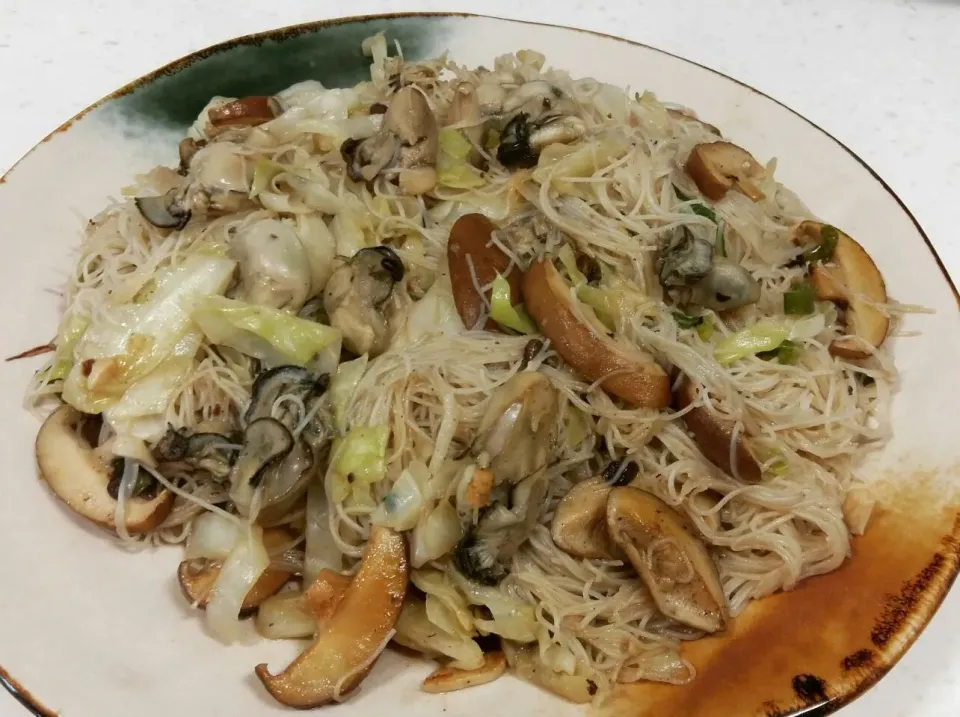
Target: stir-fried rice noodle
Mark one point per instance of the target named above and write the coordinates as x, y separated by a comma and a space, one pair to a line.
615, 195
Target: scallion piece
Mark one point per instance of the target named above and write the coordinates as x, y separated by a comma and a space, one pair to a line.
799, 300
829, 236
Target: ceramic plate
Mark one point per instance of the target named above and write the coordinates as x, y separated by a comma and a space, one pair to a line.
90, 629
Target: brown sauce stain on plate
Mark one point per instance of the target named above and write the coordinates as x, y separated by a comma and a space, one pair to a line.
814, 648
23, 696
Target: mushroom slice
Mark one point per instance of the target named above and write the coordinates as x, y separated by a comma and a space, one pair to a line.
265, 444
450, 679
714, 436
636, 377
671, 561
79, 476
356, 295
852, 280
519, 427
246, 112
717, 167
164, 211
475, 261
197, 577
346, 648
579, 526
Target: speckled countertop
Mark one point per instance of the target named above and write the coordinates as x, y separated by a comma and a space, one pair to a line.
880, 75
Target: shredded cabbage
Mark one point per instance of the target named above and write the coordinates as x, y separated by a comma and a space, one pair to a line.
453, 163
240, 571
359, 459
271, 335
400, 508
435, 535
762, 336
342, 387
506, 314
127, 342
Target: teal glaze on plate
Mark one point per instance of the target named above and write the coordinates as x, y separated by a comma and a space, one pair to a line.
265, 64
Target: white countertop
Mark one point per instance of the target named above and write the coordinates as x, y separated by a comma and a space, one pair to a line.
880, 75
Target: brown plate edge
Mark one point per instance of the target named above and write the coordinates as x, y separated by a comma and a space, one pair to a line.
938, 588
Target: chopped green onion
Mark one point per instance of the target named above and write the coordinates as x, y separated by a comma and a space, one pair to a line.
504, 313
720, 246
704, 211
685, 321
829, 237
799, 300
789, 352
762, 336
680, 195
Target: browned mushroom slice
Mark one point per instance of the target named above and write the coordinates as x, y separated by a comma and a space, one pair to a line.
470, 245
687, 117
714, 436
450, 679
343, 652
852, 280
80, 476
633, 374
197, 577
669, 558
579, 526
246, 112
718, 167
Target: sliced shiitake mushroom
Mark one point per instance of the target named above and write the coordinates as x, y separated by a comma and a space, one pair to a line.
852, 280
633, 374
197, 577
343, 652
450, 679
519, 427
79, 475
579, 526
670, 559
245, 112
470, 246
714, 436
718, 167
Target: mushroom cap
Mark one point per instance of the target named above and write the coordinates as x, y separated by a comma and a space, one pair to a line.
198, 578
449, 679
718, 167
713, 436
78, 475
245, 112
579, 526
852, 280
636, 378
669, 558
470, 243
345, 649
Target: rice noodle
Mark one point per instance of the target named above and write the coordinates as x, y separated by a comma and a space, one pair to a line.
811, 423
